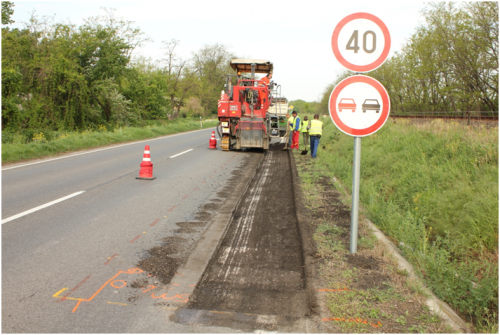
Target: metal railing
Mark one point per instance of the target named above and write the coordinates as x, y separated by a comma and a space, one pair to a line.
467, 115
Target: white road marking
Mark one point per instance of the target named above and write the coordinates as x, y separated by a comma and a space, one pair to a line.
180, 153
89, 152
17, 216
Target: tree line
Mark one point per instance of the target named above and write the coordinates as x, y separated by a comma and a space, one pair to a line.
60, 76
449, 64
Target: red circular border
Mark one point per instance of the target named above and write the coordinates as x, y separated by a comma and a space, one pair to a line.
384, 113
376, 63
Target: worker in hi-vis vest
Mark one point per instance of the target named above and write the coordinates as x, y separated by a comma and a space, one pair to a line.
305, 131
315, 132
295, 124
290, 132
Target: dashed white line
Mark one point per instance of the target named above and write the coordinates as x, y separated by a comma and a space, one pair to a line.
180, 153
29, 211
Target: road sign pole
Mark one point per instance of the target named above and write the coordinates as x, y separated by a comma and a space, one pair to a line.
355, 194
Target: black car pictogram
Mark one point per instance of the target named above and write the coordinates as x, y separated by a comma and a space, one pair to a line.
371, 104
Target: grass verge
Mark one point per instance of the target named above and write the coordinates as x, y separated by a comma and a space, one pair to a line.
433, 189
365, 292
52, 143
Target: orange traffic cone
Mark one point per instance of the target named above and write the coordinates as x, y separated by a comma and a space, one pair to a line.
212, 144
146, 171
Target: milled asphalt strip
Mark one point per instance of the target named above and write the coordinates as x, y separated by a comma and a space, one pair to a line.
180, 153
29, 211
108, 148
188, 275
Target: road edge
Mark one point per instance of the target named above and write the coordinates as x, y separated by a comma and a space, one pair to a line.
318, 308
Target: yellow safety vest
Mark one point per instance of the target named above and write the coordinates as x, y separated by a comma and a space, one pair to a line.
303, 127
316, 128
297, 119
290, 120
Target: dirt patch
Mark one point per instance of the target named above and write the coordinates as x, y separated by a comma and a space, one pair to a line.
139, 283
184, 230
203, 216
175, 240
211, 206
160, 263
259, 266
190, 224
364, 262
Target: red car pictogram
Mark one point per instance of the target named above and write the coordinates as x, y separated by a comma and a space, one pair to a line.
346, 103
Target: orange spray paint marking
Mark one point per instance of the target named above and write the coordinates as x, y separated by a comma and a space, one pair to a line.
171, 209
129, 271
135, 238
195, 188
149, 289
117, 303
151, 225
176, 298
174, 284
185, 196
74, 288
123, 283
110, 258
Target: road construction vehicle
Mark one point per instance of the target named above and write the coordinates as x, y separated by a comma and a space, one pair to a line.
278, 114
244, 121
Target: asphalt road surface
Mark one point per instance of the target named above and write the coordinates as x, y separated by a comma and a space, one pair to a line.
68, 266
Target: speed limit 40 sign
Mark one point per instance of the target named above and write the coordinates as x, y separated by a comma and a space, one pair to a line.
361, 42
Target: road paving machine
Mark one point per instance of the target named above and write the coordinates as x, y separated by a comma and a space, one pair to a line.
244, 105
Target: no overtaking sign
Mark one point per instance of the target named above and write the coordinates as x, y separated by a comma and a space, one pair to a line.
359, 106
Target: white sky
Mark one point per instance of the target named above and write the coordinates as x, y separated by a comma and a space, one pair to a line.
294, 35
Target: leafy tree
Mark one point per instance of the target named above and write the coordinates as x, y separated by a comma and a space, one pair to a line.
211, 64
7, 11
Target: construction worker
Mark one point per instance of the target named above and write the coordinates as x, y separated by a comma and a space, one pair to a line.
295, 124
305, 131
315, 132
290, 129
264, 82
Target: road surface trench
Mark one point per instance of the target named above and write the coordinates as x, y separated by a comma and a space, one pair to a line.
258, 267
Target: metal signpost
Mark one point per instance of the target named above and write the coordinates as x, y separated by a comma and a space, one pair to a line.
359, 105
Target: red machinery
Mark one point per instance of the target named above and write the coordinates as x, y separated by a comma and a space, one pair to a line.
242, 111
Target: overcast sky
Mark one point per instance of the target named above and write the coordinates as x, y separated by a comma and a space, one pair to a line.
294, 35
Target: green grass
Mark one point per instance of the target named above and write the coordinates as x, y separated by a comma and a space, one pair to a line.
433, 188
19, 146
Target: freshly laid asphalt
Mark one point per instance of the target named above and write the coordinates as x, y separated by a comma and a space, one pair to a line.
68, 267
